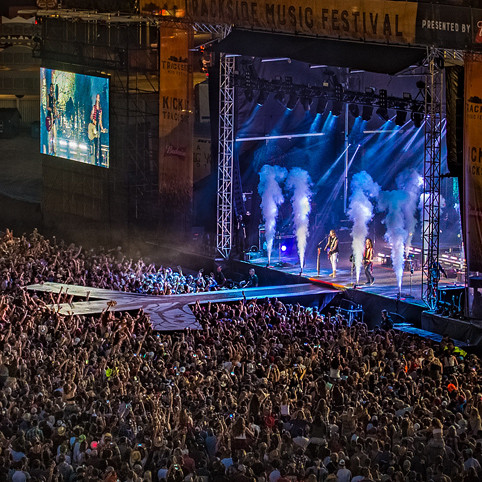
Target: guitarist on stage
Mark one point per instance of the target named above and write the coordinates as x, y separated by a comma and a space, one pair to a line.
50, 120
368, 261
332, 248
96, 128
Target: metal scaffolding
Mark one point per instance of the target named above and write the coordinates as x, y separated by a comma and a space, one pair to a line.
225, 156
431, 177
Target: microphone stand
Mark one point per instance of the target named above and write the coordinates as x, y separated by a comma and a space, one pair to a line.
319, 254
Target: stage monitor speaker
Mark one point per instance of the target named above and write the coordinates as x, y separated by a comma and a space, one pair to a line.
451, 296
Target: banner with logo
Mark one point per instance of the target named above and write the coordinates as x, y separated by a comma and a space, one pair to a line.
449, 27
175, 125
382, 21
473, 161
201, 158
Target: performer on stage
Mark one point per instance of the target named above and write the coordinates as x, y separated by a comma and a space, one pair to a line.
50, 120
332, 248
96, 128
368, 261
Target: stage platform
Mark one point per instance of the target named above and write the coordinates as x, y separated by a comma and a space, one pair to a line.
385, 281
171, 313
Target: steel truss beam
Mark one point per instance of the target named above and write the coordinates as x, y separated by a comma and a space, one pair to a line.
328, 93
431, 176
225, 156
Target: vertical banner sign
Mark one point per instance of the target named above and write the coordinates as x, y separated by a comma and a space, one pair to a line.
175, 128
473, 161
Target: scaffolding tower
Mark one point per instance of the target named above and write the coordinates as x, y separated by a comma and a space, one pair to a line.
224, 231
127, 49
431, 178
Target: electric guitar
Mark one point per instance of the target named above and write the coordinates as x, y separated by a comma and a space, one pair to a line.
93, 132
50, 119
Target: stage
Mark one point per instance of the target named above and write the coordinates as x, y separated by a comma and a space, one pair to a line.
385, 282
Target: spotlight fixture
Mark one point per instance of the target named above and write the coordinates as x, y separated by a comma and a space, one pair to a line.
280, 97
417, 118
292, 101
336, 108
382, 113
400, 117
367, 112
417, 115
248, 93
369, 90
262, 97
306, 103
321, 105
354, 110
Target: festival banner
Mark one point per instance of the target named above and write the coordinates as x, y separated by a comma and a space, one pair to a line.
448, 26
473, 161
175, 125
375, 20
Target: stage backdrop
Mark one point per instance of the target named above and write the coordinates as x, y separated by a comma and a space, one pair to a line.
473, 161
175, 127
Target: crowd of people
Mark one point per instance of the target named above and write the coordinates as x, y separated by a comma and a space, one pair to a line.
265, 392
35, 259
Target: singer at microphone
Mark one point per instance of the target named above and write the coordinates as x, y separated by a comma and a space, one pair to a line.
332, 248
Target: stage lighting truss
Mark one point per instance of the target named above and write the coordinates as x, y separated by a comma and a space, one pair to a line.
317, 97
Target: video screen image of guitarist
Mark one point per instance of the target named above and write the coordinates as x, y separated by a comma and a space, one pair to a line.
74, 116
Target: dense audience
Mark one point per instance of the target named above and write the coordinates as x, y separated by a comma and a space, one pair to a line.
34, 259
264, 392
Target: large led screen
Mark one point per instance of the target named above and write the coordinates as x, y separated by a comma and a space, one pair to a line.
74, 114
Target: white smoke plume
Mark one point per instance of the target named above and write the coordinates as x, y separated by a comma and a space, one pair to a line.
299, 182
271, 194
393, 202
411, 182
360, 212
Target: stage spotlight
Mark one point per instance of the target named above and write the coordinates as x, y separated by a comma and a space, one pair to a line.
283, 248
382, 113
292, 102
281, 98
336, 108
417, 118
248, 93
354, 110
321, 105
400, 117
262, 97
367, 112
306, 103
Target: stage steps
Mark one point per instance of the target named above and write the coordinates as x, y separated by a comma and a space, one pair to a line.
412, 330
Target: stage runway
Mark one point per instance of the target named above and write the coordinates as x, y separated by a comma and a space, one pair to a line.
171, 313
